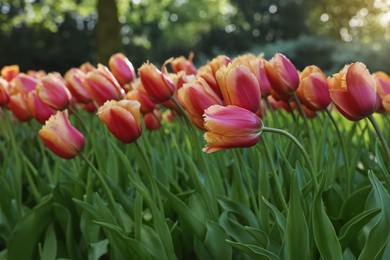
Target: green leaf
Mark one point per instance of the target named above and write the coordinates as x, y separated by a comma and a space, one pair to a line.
254, 251
215, 241
33, 224
296, 224
379, 232
98, 249
280, 219
352, 227
353, 205
323, 230
185, 213
243, 212
49, 250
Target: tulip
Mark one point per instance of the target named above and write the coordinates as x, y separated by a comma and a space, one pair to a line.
383, 90
182, 64
195, 97
245, 59
157, 84
257, 67
122, 118
313, 91
101, 85
74, 81
353, 91
147, 105
86, 67
205, 72
61, 137
36, 74
152, 120
18, 104
218, 62
230, 127
39, 109
239, 87
23, 83
121, 68
52, 91
283, 77
4, 92
9, 72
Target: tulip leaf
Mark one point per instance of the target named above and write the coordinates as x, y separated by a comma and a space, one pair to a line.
296, 224
33, 223
254, 251
49, 251
352, 227
98, 249
215, 241
279, 218
239, 209
379, 232
323, 230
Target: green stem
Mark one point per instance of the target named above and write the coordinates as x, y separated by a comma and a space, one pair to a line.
151, 178
341, 140
248, 180
308, 128
301, 148
382, 140
106, 188
275, 176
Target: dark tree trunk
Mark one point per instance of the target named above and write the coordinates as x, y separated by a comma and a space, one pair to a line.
108, 30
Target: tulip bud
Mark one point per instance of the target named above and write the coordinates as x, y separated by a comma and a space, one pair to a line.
61, 137
383, 90
230, 127
86, 67
23, 83
283, 77
147, 105
313, 91
257, 67
52, 91
152, 120
101, 85
9, 72
122, 118
18, 105
205, 72
195, 97
239, 87
121, 68
158, 85
244, 59
4, 92
74, 81
40, 110
353, 91
182, 64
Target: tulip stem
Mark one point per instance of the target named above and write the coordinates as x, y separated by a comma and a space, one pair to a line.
301, 148
382, 140
308, 129
346, 161
111, 199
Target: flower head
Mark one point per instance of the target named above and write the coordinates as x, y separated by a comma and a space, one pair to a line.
121, 68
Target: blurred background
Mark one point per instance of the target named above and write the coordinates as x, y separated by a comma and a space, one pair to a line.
57, 35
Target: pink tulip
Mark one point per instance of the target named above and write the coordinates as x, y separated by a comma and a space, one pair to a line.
52, 91
121, 68
230, 127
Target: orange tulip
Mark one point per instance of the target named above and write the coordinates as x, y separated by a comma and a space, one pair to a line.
313, 91
383, 90
122, 118
353, 91
239, 87
52, 91
157, 84
121, 68
4, 92
101, 85
74, 81
9, 72
61, 137
230, 127
283, 76
40, 110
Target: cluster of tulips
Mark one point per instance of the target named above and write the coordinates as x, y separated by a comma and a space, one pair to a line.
226, 97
